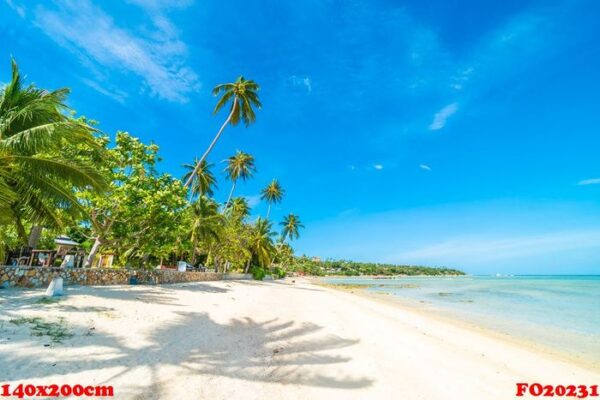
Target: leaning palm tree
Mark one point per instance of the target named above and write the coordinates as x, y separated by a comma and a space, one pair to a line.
203, 182
291, 227
243, 97
240, 165
272, 194
37, 181
261, 243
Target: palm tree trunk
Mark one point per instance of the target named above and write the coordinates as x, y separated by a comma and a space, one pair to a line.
230, 194
212, 144
34, 236
21, 231
268, 211
247, 266
93, 252
194, 245
191, 194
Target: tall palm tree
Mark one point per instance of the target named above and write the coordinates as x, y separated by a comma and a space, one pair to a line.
272, 194
240, 165
203, 182
261, 243
291, 227
37, 181
243, 97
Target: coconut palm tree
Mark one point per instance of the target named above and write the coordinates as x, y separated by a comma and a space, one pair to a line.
37, 181
291, 227
243, 97
203, 182
240, 165
261, 243
272, 194
239, 208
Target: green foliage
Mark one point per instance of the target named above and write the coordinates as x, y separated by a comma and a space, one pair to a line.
244, 96
140, 215
258, 273
291, 227
203, 181
278, 273
37, 179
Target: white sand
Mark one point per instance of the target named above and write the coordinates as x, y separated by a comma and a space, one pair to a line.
263, 340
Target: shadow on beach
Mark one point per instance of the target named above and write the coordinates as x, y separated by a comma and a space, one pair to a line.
274, 351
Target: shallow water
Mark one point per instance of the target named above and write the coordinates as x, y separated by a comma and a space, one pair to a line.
558, 312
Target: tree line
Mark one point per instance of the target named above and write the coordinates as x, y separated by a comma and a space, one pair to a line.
314, 266
59, 173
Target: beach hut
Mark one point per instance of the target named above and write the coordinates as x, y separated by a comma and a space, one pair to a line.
69, 252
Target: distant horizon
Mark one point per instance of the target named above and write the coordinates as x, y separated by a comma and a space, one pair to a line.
409, 133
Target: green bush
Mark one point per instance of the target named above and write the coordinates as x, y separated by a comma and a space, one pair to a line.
258, 273
278, 273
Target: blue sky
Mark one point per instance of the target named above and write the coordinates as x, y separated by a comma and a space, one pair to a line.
457, 133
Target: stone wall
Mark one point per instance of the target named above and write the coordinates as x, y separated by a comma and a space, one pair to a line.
32, 277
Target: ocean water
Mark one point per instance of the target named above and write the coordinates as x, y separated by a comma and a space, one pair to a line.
561, 313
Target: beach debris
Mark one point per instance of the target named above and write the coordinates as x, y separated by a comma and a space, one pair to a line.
56, 331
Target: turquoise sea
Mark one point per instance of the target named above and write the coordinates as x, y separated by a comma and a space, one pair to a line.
561, 313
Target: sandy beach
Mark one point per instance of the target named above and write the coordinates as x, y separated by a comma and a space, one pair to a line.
261, 340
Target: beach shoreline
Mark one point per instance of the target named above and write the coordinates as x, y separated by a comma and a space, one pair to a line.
255, 340
409, 305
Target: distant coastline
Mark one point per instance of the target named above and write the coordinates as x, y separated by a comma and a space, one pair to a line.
316, 267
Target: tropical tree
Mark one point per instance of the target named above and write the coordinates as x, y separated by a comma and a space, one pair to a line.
240, 165
238, 208
261, 243
207, 224
243, 96
291, 227
37, 182
140, 215
272, 194
203, 181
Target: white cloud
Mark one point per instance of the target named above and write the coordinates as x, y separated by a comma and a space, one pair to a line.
303, 82
425, 167
157, 57
113, 93
253, 200
440, 118
585, 182
378, 167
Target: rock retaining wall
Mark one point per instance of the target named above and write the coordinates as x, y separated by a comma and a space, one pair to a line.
32, 277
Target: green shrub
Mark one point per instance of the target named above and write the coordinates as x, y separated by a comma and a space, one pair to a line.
278, 273
258, 273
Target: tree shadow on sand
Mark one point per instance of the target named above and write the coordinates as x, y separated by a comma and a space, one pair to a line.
275, 351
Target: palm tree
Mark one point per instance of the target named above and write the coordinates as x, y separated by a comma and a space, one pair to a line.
272, 194
37, 181
291, 227
204, 181
240, 165
239, 208
244, 96
261, 243
207, 223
